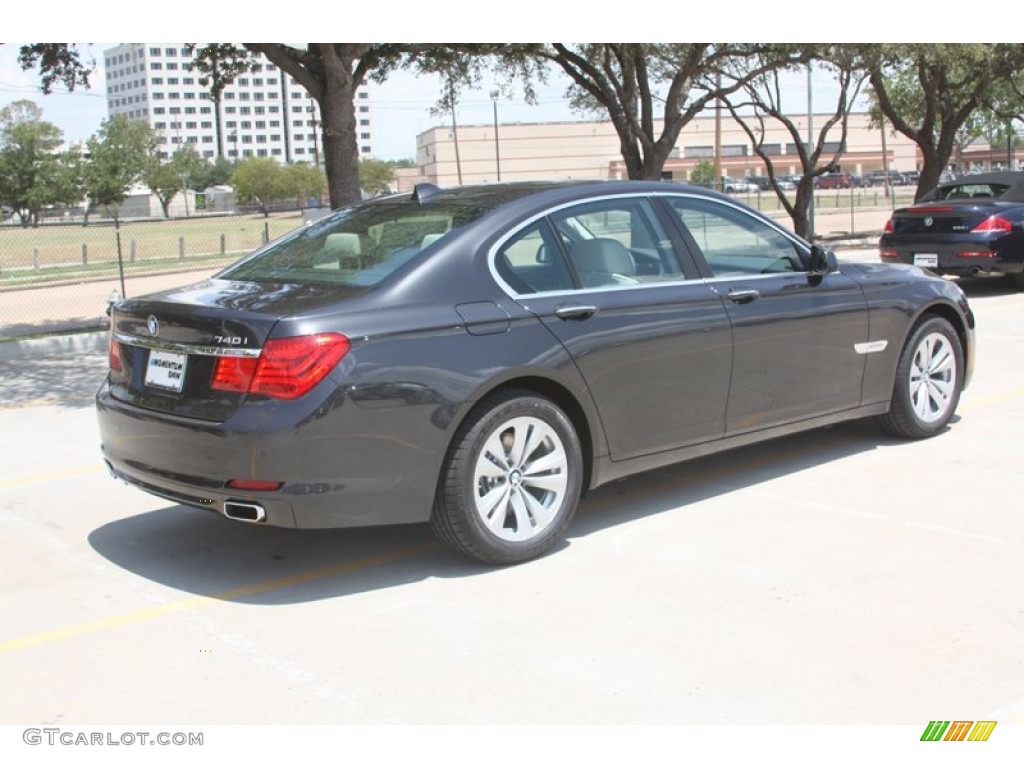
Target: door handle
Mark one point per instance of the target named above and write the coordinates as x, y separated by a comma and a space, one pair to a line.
575, 312
743, 296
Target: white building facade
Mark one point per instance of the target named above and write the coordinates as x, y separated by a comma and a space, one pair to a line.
263, 113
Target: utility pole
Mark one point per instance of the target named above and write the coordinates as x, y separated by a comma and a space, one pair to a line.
718, 138
497, 146
810, 143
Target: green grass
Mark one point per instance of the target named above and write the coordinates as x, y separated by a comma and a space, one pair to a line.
49, 253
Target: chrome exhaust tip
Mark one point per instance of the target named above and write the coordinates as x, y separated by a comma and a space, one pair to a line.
246, 511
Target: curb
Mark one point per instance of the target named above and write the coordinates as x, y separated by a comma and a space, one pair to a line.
53, 346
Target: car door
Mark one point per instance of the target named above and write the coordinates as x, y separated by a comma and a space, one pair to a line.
796, 336
653, 345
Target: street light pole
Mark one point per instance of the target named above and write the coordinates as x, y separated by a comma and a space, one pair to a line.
497, 146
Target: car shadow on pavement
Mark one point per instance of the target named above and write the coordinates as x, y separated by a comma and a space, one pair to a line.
201, 553
984, 287
70, 381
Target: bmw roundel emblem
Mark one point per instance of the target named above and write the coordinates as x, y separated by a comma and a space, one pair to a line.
152, 325
928, 221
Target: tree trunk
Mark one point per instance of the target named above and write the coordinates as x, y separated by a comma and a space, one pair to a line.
338, 121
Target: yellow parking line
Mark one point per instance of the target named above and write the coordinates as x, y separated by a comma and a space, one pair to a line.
984, 402
56, 475
47, 401
158, 611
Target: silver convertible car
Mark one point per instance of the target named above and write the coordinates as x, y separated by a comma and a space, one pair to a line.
480, 357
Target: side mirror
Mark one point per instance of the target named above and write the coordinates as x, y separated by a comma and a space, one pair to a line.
821, 261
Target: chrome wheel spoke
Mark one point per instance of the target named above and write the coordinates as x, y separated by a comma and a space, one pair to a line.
933, 376
520, 479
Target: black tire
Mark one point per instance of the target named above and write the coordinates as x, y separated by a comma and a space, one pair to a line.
924, 399
535, 494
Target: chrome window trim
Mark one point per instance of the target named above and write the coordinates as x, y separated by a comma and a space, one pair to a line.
492, 253
171, 346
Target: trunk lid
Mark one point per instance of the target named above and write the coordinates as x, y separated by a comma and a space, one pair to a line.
170, 342
943, 217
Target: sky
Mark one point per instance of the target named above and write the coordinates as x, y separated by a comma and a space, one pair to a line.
401, 107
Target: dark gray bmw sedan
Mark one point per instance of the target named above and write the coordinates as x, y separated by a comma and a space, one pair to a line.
479, 357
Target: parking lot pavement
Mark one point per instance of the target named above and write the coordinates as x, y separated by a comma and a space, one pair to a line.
840, 576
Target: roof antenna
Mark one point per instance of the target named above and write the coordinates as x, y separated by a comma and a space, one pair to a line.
423, 192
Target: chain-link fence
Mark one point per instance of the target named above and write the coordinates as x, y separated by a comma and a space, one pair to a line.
58, 276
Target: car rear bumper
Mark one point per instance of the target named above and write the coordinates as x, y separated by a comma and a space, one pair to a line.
332, 475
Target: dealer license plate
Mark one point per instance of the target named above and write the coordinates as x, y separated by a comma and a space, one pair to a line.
166, 370
926, 259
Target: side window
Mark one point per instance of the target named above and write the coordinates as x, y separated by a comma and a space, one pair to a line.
734, 243
532, 262
616, 242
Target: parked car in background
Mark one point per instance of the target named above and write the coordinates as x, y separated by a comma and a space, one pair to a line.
739, 186
877, 179
479, 357
833, 181
969, 226
764, 183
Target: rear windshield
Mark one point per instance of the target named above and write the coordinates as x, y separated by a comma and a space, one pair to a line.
969, 190
359, 246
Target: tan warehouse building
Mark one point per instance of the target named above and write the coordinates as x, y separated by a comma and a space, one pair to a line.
590, 150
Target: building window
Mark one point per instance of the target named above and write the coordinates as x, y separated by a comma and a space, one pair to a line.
172, 65
172, 81
261, 153
244, 81
191, 125
363, 108
159, 126
244, 110
206, 124
155, 65
158, 110
188, 81
207, 153
157, 95
275, 152
152, 52
170, 51
364, 136
365, 150
247, 139
300, 151
229, 110
364, 122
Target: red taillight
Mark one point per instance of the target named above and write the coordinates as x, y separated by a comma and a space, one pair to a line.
287, 369
888, 227
234, 374
978, 254
994, 224
254, 485
114, 354
887, 254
